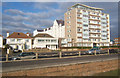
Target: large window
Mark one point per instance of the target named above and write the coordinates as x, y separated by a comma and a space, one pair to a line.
78, 20
27, 40
47, 40
19, 40
12, 40
41, 40
53, 40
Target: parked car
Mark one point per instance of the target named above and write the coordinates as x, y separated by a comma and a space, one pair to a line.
25, 55
92, 51
113, 51
16, 51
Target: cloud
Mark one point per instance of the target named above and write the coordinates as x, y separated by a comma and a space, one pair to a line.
48, 12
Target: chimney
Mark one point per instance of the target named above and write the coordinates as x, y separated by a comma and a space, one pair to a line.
8, 33
28, 34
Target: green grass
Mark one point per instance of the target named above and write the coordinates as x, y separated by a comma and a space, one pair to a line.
109, 73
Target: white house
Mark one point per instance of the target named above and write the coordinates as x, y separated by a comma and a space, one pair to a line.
44, 40
1, 41
18, 40
57, 30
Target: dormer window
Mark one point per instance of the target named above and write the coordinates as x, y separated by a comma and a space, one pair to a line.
18, 33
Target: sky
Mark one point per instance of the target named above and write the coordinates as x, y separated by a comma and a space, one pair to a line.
29, 16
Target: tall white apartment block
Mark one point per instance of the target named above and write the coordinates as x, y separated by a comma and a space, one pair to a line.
86, 26
57, 30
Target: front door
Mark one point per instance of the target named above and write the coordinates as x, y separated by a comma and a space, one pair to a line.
94, 44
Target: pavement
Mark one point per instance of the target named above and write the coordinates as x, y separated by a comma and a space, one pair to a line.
42, 63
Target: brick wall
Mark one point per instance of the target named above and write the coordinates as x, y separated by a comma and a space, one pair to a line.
85, 69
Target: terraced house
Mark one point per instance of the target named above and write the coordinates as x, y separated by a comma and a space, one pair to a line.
86, 26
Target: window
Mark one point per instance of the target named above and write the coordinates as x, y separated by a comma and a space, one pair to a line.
78, 10
85, 35
68, 13
12, 40
78, 20
79, 25
68, 21
78, 15
69, 35
40, 40
53, 41
19, 40
85, 25
47, 40
85, 15
79, 35
79, 39
27, 40
69, 30
79, 30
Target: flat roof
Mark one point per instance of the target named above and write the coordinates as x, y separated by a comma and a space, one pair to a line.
86, 6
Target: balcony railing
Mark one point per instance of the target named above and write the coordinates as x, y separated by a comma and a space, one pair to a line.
18, 42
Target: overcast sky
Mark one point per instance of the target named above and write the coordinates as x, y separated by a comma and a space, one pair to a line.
28, 16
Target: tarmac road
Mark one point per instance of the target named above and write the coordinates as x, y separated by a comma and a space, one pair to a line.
31, 64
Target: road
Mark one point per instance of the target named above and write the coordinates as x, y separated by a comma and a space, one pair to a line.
31, 64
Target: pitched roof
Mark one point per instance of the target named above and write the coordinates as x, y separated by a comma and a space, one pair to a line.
60, 22
45, 35
0, 35
18, 35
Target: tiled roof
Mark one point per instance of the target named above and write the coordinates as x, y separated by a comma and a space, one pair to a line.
0, 35
60, 22
18, 35
43, 35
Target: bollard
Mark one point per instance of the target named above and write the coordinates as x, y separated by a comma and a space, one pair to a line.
60, 54
108, 52
36, 56
79, 53
95, 52
6, 57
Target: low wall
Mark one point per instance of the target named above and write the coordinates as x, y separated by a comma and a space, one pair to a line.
85, 69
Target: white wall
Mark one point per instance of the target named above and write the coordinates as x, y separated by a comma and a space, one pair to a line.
37, 44
19, 43
56, 31
1, 42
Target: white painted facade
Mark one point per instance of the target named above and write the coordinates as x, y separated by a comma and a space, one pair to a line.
57, 30
20, 43
50, 43
1, 41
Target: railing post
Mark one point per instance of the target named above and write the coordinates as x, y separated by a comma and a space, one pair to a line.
8, 51
79, 53
95, 52
60, 54
6, 57
108, 51
36, 56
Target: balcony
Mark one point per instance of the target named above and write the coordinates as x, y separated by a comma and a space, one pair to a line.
17, 42
94, 15
95, 24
